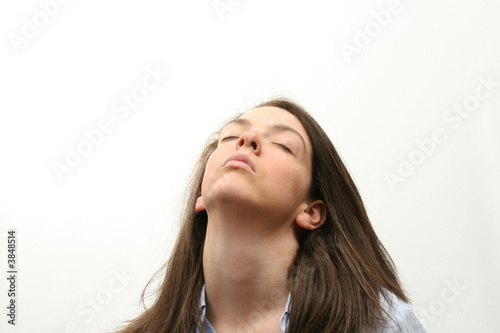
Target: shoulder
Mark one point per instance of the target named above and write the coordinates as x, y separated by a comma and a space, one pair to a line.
399, 316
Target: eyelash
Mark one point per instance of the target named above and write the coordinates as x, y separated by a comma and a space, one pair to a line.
285, 148
230, 137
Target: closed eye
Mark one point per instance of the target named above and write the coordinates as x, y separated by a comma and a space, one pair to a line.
229, 137
284, 147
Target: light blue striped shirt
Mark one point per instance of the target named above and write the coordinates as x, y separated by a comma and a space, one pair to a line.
403, 319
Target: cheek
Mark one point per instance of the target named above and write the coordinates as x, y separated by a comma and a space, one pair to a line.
211, 165
214, 162
290, 180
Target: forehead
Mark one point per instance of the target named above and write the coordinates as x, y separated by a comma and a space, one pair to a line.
268, 116
271, 115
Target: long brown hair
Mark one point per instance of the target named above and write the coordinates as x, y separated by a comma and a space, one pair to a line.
337, 279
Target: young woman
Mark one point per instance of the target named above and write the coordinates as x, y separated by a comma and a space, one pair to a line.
275, 239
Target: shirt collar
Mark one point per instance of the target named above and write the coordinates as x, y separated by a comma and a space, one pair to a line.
283, 320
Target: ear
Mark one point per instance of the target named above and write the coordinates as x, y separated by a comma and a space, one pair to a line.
312, 216
199, 206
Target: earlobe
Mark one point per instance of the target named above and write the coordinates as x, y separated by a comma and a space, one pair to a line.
199, 206
313, 216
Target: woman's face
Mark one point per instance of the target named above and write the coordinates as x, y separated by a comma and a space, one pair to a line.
263, 162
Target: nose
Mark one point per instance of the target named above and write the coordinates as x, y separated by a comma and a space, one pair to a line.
251, 140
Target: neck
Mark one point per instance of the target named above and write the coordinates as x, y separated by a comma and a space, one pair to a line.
246, 259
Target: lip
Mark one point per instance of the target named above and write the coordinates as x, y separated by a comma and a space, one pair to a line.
238, 157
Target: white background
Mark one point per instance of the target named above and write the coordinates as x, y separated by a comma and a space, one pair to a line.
116, 212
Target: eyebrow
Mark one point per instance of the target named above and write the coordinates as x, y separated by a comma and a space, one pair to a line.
276, 127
